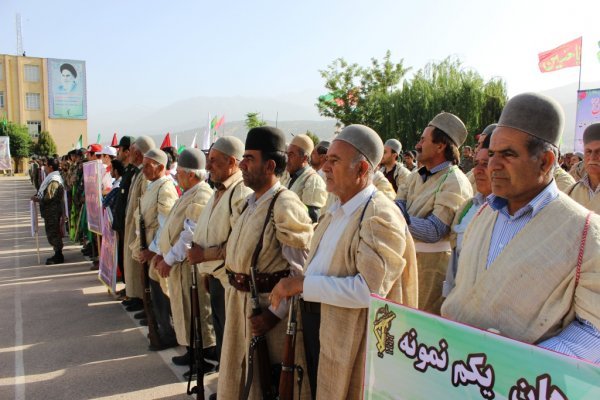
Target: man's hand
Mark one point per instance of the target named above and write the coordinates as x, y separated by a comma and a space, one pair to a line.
146, 256
195, 254
263, 323
163, 268
286, 288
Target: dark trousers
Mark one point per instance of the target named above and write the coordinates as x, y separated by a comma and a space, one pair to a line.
311, 322
52, 225
120, 249
162, 312
217, 304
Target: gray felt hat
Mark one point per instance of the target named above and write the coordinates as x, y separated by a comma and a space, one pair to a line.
489, 129
231, 146
192, 159
535, 114
157, 155
452, 126
591, 133
324, 144
144, 144
365, 140
395, 145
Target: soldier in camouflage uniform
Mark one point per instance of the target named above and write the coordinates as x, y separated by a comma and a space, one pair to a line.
50, 196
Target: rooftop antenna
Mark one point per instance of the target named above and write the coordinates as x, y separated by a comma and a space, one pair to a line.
19, 36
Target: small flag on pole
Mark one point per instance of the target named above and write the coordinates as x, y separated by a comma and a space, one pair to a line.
166, 142
564, 56
115, 142
194, 145
218, 124
99, 139
79, 143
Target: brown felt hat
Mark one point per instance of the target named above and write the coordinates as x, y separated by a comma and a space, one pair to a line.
591, 133
535, 114
452, 126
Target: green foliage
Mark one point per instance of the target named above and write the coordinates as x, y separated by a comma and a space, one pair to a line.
20, 141
254, 121
353, 90
313, 137
45, 145
404, 112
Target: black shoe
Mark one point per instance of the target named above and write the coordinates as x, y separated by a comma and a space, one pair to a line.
135, 307
212, 396
140, 315
57, 258
182, 360
207, 368
144, 322
132, 301
163, 346
210, 354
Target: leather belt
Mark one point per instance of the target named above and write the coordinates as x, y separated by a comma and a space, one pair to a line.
264, 282
310, 307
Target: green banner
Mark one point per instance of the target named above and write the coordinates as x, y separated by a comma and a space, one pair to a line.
415, 355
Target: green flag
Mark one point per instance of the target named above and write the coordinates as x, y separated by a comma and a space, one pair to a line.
79, 144
99, 139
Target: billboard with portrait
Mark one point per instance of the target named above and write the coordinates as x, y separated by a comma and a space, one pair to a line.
66, 89
588, 112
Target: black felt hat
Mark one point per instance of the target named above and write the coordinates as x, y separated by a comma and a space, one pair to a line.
266, 138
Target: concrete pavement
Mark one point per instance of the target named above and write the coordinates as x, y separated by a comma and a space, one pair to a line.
62, 335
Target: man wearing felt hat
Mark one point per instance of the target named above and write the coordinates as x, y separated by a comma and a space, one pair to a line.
318, 156
391, 165
285, 236
175, 239
361, 246
429, 201
517, 273
585, 192
303, 180
214, 224
154, 207
137, 188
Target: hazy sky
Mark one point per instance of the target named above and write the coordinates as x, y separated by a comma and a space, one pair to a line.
153, 53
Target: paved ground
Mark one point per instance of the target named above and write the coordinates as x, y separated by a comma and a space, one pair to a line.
62, 335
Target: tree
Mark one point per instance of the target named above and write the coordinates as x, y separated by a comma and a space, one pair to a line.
20, 141
353, 90
45, 145
254, 121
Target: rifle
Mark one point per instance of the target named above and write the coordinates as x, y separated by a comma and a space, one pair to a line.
196, 341
286, 379
259, 343
147, 298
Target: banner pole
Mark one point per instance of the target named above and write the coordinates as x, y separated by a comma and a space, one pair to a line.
580, 64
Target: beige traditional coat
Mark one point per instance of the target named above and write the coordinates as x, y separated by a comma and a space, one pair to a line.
158, 199
216, 221
132, 268
309, 187
581, 194
383, 185
189, 206
382, 250
528, 293
441, 195
563, 179
290, 226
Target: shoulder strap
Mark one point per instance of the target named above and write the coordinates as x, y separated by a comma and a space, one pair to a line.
259, 245
230, 199
581, 248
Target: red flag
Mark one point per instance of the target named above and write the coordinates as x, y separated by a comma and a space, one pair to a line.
218, 124
115, 142
564, 56
166, 142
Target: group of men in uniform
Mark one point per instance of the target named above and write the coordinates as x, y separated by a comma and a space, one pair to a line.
269, 224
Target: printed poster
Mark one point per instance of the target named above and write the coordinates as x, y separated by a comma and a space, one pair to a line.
5, 160
107, 272
588, 112
92, 176
66, 89
415, 355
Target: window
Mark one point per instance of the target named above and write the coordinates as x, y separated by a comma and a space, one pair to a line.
1, 71
35, 127
32, 101
32, 73
1, 99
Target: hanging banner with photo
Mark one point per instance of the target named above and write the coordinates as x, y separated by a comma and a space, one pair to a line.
92, 176
415, 355
107, 272
67, 94
588, 112
5, 160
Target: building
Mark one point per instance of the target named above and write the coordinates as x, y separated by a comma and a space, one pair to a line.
46, 95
